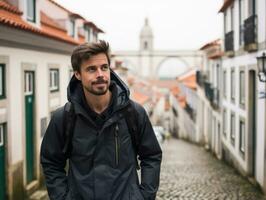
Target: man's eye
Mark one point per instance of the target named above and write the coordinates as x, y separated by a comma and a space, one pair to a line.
105, 67
90, 69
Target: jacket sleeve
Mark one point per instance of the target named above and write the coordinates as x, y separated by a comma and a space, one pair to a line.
150, 156
53, 160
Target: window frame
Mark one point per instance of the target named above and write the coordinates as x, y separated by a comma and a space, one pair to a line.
72, 27
28, 82
241, 22
233, 128
233, 87
242, 93
54, 79
242, 136
88, 33
2, 132
31, 18
3, 82
225, 122
225, 84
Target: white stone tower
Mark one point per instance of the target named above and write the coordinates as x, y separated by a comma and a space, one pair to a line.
146, 51
146, 37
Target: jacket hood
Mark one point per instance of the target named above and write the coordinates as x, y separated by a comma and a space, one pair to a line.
75, 90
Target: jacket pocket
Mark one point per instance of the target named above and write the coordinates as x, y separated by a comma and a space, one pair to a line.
135, 193
117, 145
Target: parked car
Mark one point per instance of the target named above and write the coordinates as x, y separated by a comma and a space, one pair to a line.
159, 133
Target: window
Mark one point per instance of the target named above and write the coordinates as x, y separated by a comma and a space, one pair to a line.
232, 128
54, 80
28, 83
2, 142
145, 45
88, 30
252, 7
224, 123
229, 20
232, 17
241, 22
225, 22
31, 10
95, 36
233, 85
242, 88
2, 81
242, 136
217, 74
72, 28
224, 84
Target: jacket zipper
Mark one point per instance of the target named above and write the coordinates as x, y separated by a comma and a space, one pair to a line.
116, 146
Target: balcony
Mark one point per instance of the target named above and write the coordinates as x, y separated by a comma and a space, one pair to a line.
208, 91
250, 33
229, 43
190, 112
200, 78
216, 99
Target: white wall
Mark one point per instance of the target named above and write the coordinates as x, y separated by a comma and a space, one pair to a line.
39, 61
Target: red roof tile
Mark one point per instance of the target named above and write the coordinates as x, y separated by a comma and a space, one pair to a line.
164, 83
167, 105
213, 43
15, 20
139, 97
182, 101
11, 16
58, 5
189, 81
175, 91
50, 22
226, 4
6, 6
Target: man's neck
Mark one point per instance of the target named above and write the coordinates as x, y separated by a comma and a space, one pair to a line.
98, 103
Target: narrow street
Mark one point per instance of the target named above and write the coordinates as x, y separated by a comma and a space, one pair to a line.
191, 173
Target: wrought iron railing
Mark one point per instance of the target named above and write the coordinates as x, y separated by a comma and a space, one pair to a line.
200, 78
216, 98
250, 30
190, 111
229, 41
208, 91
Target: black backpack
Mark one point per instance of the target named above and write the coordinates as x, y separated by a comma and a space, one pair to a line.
129, 113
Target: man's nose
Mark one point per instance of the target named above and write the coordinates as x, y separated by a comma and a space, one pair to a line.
99, 72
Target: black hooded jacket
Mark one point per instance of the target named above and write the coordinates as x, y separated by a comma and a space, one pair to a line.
102, 162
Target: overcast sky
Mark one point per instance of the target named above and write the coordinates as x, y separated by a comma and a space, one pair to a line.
176, 24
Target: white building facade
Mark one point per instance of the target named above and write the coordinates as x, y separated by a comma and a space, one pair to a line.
35, 69
209, 92
243, 103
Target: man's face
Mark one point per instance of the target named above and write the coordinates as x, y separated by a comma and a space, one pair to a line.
95, 74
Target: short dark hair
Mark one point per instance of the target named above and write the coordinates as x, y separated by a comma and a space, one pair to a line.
86, 50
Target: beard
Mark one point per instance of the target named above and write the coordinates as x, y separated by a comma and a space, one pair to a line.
98, 88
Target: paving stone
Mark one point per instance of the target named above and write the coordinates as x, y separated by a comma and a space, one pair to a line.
191, 173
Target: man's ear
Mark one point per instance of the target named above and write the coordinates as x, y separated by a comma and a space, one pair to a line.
77, 75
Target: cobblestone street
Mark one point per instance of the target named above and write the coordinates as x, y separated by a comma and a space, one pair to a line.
190, 173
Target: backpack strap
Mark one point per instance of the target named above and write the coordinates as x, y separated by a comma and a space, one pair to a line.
131, 117
69, 120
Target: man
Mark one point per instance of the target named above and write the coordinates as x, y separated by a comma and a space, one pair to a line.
102, 160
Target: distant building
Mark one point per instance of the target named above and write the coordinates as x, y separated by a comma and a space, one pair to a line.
209, 86
36, 41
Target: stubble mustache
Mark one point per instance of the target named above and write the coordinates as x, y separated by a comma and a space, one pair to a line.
100, 81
